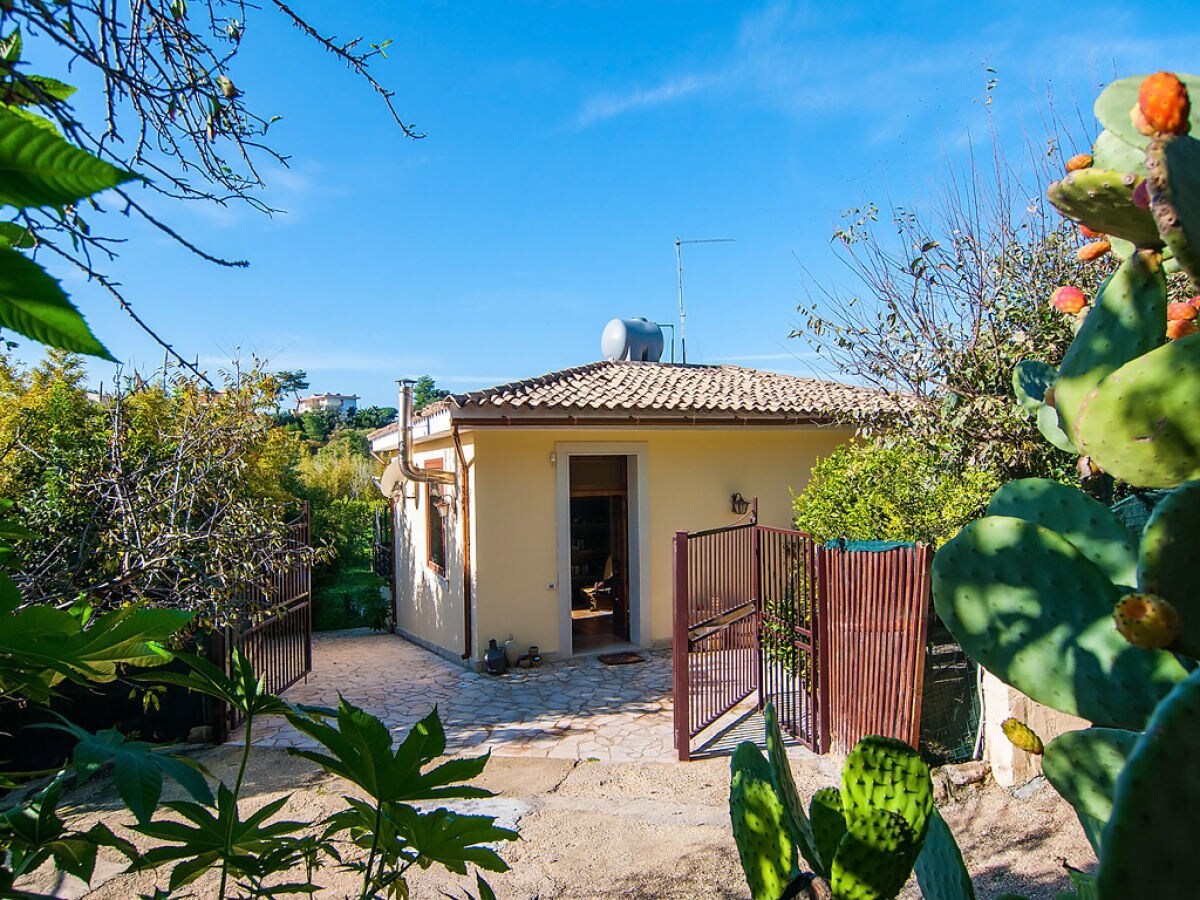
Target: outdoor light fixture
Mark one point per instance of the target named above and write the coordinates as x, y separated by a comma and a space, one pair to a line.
739, 504
438, 499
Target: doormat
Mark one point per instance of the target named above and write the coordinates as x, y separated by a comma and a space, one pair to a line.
621, 659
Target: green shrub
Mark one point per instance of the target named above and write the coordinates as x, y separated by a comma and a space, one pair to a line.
899, 490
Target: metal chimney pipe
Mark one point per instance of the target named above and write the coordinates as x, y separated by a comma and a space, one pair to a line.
404, 443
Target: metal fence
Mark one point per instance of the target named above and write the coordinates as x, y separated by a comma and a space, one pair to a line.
383, 547
280, 646
716, 625
788, 577
833, 637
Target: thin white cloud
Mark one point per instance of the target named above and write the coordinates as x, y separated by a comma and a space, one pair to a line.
609, 106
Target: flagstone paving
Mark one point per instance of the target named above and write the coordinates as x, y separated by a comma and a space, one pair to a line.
571, 709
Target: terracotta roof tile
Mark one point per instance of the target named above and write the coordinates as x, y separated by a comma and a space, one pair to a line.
691, 389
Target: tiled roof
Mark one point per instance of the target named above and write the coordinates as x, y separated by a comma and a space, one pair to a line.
669, 388
663, 391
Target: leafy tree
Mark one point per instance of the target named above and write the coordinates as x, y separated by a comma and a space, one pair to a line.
169, 494
951, 296
890, 490
425, 392
318, 424
372, 417
292, 382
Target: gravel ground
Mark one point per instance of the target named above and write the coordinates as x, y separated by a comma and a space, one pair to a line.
632, 830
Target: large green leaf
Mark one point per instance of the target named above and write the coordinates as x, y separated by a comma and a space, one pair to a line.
201, 842
35, 90
138, 769
360, 750
41, 646
40, 168
453, 840
33, 304
243, 691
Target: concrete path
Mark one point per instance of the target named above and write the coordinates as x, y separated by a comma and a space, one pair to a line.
576, 709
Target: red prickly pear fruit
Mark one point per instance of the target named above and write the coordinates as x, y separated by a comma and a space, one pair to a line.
1181, 328
1022, 736
1146, 620
1094, 250
1069, 300
1194, 302
1141, 195
1181, 312
1090, 233
1163, 105
1079, 161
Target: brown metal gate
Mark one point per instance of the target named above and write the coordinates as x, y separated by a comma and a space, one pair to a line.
835, 638
280, 646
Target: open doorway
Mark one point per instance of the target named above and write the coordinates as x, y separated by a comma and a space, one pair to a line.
599, 536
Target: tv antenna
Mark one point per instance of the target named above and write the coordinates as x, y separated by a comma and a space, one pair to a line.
679, 271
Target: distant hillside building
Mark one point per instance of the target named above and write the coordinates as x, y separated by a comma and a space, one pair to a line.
343, 403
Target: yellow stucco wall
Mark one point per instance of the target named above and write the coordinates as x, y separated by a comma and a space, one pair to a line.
690, 476
429, 606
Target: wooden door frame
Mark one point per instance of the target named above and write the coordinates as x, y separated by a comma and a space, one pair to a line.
637, 516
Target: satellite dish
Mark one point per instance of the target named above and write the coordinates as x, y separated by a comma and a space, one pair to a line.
390, 478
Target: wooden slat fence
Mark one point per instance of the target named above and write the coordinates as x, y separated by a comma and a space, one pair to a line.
877, 618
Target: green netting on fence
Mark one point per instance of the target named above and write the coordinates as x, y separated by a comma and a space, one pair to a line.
1135, 509
950, 701
867, 546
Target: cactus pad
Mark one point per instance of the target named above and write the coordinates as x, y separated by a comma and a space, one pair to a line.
828, 825
940, 869
1102, 199
1142, 422
1050, 426
1129, 319
1110, 152
886, 773
1088, 524
1031, 379
1166, 566
875, 857
757, 814
1173, 165
1149, 845
1114, 103
1029, 607
1083, 766
797, 822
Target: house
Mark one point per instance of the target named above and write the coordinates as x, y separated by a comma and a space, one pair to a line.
343, 403
545, 508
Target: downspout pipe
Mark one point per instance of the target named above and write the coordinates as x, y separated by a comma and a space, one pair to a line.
464, 500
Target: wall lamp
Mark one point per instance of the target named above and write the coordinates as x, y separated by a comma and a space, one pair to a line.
739, 504
439, 498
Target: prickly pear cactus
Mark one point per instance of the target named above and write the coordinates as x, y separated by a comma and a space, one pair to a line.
1052, 594
862, 839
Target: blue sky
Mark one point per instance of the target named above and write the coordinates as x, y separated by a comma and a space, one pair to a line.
568, 144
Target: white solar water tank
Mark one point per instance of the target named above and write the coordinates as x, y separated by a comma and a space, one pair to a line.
636, 339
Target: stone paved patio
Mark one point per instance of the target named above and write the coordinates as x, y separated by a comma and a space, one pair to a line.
574, 709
